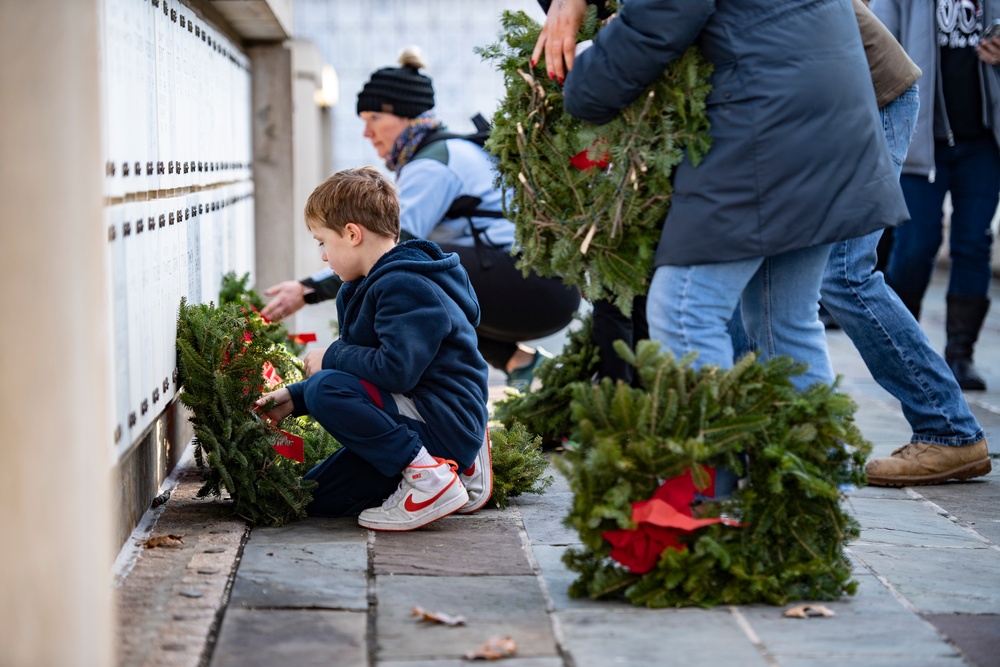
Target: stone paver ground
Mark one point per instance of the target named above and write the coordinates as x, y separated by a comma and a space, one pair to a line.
324, 591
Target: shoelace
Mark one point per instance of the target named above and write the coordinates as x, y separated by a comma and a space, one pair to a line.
451, 464
394, 498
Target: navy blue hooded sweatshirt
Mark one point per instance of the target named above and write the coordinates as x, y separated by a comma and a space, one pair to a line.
408, 327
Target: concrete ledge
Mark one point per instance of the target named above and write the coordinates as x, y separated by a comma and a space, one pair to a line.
171, 598
257, 20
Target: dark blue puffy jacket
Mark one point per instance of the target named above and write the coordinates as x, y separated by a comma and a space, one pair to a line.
798, 155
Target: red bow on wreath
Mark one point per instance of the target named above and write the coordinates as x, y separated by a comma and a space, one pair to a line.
659, 522
271, 377
583, 161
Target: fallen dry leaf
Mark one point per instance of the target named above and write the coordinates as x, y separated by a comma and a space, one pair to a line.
163, 541
438, 617
493, 648
809, 610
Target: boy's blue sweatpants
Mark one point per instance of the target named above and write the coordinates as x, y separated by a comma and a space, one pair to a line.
378, 442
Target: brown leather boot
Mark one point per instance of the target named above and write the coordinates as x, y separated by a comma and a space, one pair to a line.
923, 463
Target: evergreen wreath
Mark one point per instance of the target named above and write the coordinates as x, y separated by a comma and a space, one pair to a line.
588, 201
227, 354
237, 290
518, 464
636, 446
546, 411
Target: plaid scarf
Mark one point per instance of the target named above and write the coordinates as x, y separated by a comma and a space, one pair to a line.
406, 143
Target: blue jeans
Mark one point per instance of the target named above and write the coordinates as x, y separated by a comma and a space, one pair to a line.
890, 341
689, 308
970, 170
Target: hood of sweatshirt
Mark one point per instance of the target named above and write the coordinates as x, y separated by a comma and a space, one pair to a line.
423, 257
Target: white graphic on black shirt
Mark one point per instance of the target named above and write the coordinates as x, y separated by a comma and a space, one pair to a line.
959, 23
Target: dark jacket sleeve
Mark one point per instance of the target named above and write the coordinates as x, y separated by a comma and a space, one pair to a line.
602, 11
630, 53
324, 289
297, 392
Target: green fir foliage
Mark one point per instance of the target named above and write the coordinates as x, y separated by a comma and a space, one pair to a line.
221, 353
518, 463
800, 447
546, 412
236, 290
595, 228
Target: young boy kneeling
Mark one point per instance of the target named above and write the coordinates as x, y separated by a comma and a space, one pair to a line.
404, 389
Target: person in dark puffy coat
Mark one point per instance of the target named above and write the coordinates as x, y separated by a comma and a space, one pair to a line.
798, 161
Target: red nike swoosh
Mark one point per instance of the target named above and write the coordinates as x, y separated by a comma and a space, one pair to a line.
471, 471
411, 506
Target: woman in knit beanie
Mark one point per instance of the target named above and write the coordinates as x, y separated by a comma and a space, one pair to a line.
447, 195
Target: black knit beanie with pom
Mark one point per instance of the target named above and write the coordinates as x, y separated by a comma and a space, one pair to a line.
402, 91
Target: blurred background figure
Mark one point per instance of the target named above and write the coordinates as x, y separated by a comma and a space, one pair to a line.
954, 150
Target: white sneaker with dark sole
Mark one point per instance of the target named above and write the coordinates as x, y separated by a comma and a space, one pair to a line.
478, 479
425, 494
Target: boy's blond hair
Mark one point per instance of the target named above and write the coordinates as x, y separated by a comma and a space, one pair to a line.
361, 195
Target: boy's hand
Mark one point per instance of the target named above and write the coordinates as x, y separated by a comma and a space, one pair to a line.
313, 361
282, 406
289, 297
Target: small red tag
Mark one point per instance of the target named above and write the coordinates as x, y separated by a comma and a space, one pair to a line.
290, 446
271, 377
582, 162
302, 338
254, 308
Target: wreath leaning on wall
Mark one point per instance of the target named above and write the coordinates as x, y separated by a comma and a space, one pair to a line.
228, 356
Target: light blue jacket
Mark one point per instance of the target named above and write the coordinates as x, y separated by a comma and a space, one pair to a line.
912, 22
437, 175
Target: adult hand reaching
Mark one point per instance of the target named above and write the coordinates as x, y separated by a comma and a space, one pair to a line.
558, 37
288, 298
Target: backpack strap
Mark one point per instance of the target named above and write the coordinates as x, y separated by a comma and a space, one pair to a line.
466, 206
478, 137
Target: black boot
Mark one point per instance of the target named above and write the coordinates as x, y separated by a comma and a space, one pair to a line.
964, 320
912, 300
828, 320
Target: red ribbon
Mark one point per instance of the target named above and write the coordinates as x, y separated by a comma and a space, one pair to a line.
582, 162
254, 308
271, 377
292, 448
659, 522
302, 338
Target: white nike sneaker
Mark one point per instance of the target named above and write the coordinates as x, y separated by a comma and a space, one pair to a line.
425, 494
478, 480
